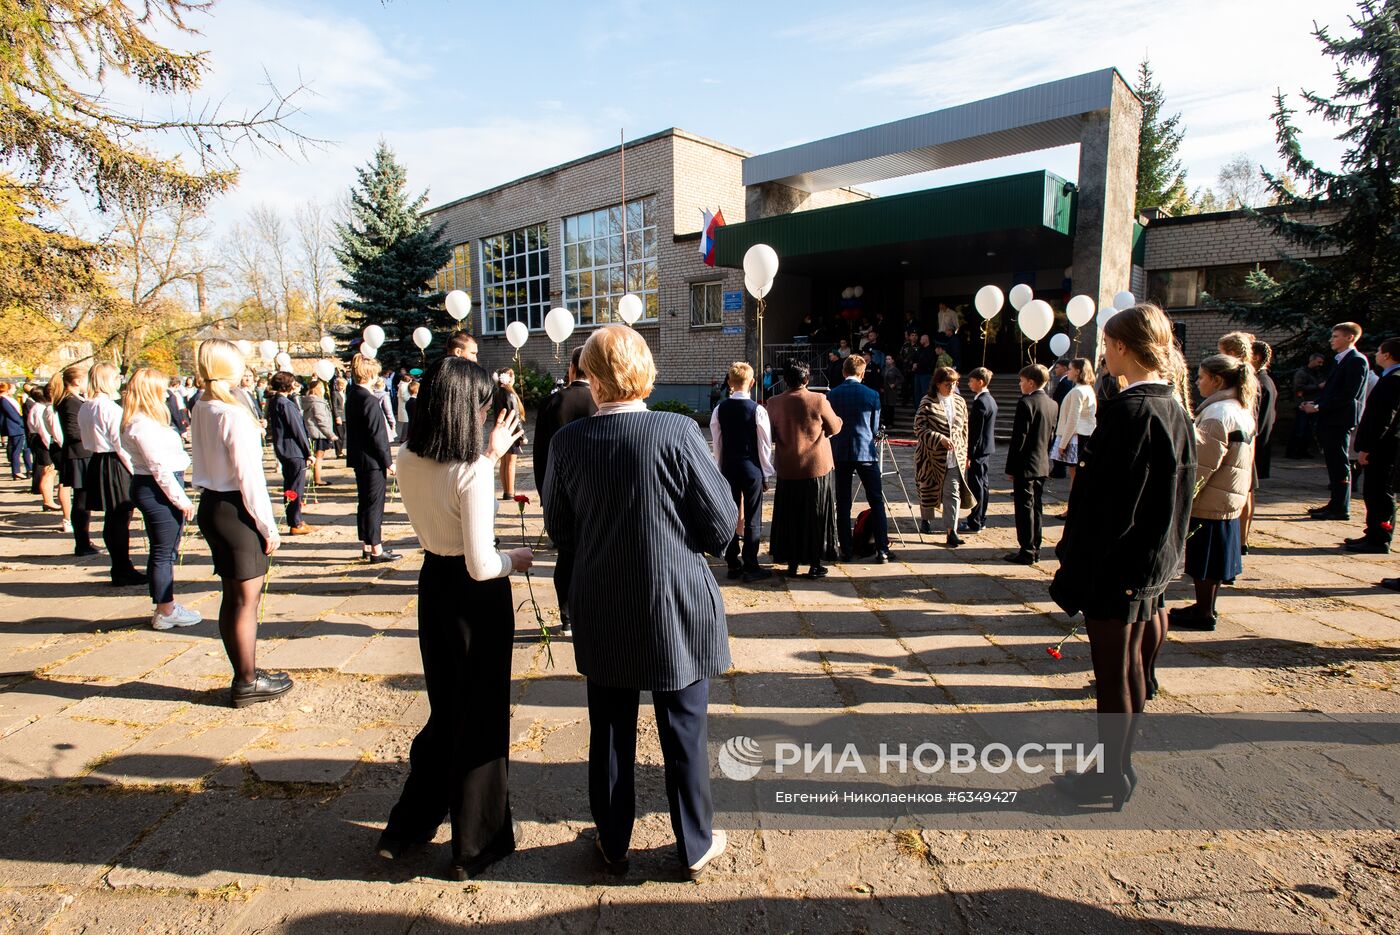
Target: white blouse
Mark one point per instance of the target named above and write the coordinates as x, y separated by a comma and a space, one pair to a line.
38, 423
156, 449
100, 424
226, 447
452, 506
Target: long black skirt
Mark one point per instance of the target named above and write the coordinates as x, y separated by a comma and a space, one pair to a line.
108, 483
804, 521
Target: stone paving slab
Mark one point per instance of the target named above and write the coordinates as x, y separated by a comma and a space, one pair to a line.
150, 805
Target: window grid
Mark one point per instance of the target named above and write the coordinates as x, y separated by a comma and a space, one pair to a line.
706, 304
594, 278
515, 278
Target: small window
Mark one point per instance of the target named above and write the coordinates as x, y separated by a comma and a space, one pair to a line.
1178, 288
706, 304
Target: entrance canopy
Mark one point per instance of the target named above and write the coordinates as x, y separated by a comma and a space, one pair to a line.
968, 228
1031, 119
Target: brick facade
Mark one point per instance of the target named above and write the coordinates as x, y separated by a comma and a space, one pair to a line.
1200, 242
685, 173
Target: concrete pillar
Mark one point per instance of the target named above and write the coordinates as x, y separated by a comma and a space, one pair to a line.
1103, 233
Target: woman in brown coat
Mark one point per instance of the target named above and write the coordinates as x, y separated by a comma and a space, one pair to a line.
940, 460
804, 506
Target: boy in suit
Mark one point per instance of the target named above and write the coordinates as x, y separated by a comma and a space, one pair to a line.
853, 449
743, 447
1028, 461
981, 445
1338, 411
1376, 449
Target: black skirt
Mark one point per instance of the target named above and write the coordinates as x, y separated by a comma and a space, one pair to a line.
804, 521
72, 472
42, 453
108, 483
238, 549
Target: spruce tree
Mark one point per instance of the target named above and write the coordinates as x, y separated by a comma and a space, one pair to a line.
1352, 216
1161, 183
389, 253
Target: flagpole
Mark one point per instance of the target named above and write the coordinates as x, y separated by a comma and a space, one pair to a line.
622, 162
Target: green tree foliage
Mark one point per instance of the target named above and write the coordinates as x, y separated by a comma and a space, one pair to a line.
1161, 183
1352, 216
389, 253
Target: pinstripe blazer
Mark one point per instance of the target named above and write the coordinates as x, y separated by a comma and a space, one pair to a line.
637, 498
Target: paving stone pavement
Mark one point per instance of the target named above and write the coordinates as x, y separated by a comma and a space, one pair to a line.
132, 799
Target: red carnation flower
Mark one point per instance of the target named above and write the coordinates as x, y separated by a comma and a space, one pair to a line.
1054, 653
290, 494
521, 499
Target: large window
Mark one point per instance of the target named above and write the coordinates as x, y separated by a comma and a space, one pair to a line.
595, 277
1177, 288
515, 278
457, 274
706, 304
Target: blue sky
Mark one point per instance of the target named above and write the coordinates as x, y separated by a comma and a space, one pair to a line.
474, 94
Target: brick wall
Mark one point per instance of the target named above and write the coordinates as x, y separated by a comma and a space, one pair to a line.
685, 173
1214, 240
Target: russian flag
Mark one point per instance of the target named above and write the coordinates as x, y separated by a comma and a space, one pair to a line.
710, 224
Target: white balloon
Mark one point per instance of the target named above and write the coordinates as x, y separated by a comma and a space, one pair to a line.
989, 301
761, 262
1105, 313
245, 348
374, 336
283, 361
325, 370
369, 351
1059, 344
757, 289
1124, 300
1035, 319
846, 293
630, 308
422, 337
1020, 295
327, 344
267, 350
559, 324
858, 291
517, 334
1080, 310
459, 304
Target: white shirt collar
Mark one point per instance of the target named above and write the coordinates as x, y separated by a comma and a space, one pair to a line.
1145, 383
740, 394
1344, 353
611, 409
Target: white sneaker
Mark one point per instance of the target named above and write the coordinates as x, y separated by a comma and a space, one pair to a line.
718, 842
67, 526
181, 616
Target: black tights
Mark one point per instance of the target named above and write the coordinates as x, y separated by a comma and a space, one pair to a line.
1120, 686
81, 518
1154, 635
116, 536
1205, 595
238, 625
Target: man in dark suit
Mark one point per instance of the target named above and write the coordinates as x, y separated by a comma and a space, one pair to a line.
742, 439
573, 402
1376, 450
175, 404
367, 453
853, 449
981, 445
1268, 408
1028, 461
1338, 410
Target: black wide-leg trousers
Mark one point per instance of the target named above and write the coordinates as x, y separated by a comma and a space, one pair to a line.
458, 761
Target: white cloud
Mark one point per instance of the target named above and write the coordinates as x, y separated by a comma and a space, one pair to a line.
1218, 61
